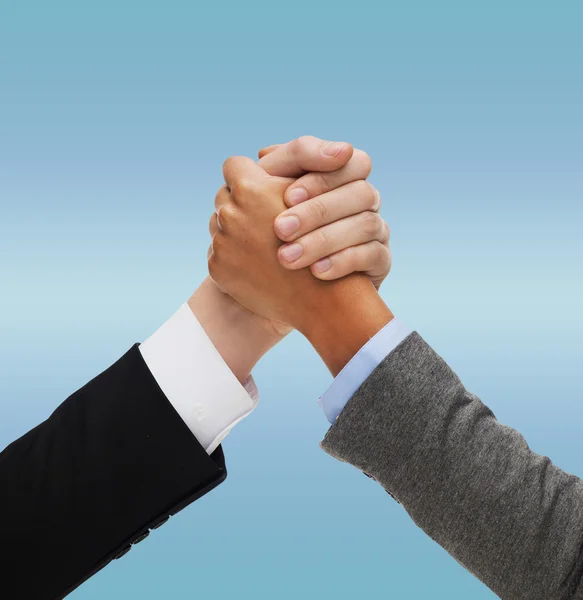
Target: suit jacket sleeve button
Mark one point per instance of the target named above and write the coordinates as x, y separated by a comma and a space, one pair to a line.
160, 523
142, 537
123, 552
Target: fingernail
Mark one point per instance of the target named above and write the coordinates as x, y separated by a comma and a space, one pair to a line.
291, 252
323, 265
297, 195
332, 148
288, 225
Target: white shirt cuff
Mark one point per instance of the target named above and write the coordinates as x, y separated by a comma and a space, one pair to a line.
196, 380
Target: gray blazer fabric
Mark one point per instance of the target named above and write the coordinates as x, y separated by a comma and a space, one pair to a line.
508, 515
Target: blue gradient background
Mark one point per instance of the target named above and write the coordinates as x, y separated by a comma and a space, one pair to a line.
115, 118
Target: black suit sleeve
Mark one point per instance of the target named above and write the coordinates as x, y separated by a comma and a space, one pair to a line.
112, 462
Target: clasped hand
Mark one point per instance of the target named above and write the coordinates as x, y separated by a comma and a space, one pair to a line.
290, 231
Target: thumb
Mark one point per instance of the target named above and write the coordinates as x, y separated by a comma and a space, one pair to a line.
240, 170
268, 150
303, 155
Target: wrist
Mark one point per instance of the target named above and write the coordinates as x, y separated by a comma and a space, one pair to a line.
346, 316
239, 335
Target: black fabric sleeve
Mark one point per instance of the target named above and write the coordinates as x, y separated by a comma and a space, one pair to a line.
112, 462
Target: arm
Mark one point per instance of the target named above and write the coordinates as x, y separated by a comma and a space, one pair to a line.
141, 441
124, 453
94, 478
509, 515
472, 484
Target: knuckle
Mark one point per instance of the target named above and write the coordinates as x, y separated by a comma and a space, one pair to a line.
372, 224
244, 187
385, 233
219, 195
318, 210
381, 257
363, 161
226, 214
305, 140
324, 239
217, 273
374, 198
367, 192
350, 259
380, 252
219, 243
211, 258
293, 147
378, 201
229, 163
299, 146
239, 187
213, 267
219, 259
319, 183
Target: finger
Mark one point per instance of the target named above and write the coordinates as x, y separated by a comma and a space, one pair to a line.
268, 150
306, 154
224, 201
352, 231
214, 225
223, 196
372, 258
348, 200
242, 173
315, 184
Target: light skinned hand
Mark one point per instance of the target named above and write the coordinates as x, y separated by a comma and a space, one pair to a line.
332, 224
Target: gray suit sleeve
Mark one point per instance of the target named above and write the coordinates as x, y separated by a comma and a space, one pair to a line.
507, 514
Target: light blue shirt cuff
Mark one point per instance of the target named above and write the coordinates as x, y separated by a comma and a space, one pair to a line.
362, 364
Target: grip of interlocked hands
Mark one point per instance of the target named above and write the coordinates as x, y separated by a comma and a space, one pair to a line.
327, 220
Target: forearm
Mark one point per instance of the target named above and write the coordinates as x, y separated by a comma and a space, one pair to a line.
235, 332
202, 359
113, 461
473, 485
345, 318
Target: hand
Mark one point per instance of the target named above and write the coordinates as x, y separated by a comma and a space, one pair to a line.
332, 225
243, 263
240, 336
337, 212
243, 256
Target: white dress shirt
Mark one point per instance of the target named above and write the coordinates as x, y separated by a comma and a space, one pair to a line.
208, 397
196, 380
